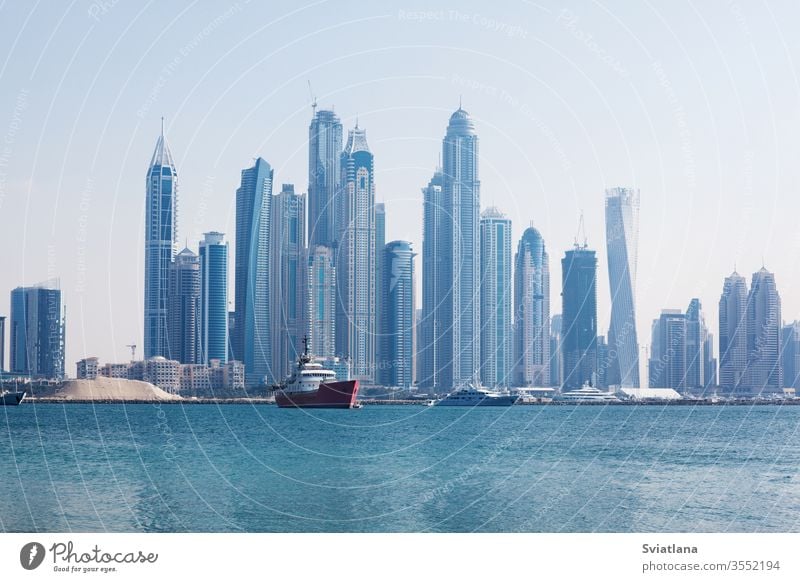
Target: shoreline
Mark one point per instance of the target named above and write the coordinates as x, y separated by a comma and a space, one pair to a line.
373, 402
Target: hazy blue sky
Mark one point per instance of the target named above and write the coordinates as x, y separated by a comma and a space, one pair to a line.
695, 103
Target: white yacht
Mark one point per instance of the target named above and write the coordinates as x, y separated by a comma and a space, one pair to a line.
475, 395
587, 393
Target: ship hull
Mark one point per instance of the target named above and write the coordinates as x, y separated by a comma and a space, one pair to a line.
341, 394
11, 398
499, 401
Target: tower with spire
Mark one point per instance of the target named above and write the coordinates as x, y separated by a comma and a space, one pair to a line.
458, 320
160, 239
579, 316
356, 258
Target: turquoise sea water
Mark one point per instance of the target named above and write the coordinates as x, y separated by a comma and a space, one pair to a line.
399, 468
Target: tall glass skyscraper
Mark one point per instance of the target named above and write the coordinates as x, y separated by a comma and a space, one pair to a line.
764, 370
324, 185
495, 289
251, 341
2, 344
396, 367
710, 366
556, 351
459, 328
531, 311
36, 331
667, 366
184, 308
790, 354
321, 302
355, 259
160, 237
622, 240
733, 332
579, 316
380, 243
324, 177
289, 255
696, 335
430, 326
213, 298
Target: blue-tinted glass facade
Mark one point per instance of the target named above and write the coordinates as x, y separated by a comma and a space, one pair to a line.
160, 237
37, 332
252, 343
532, 358
395, 368
579, 317
289, 317
495, 291
213, 298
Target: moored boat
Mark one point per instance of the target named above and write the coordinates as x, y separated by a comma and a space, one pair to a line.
587, 394
473, 394
11, 398
312, 386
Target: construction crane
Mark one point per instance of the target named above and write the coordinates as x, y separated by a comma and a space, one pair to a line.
313, 99
133, 351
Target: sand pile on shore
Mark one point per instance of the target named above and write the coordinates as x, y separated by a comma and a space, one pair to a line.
112, 389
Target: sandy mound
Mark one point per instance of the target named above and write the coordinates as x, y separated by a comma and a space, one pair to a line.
112, 389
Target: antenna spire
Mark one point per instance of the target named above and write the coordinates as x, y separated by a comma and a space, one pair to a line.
581, 229
162, 126
459, 101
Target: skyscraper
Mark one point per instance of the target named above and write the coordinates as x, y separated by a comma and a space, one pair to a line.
2, 343
251, 341
324, 185
324, 177
622, 240
579, 316
430, 329
696, 334
183, 308
380, 243
289, 256
213, 298
532, 311
459, 328
396, 368
790, 354
667, 367
733, 332
355, 259
37, 331
764, 372
556, 351
602, 363
495, 290
710, 366
161, 232
321, 302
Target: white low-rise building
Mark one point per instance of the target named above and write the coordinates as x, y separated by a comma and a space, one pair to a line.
648, 394
87, 368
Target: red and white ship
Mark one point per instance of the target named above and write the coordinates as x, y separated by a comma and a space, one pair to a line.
312, 386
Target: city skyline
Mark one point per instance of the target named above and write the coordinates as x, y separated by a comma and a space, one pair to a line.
541, 143
274, 225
